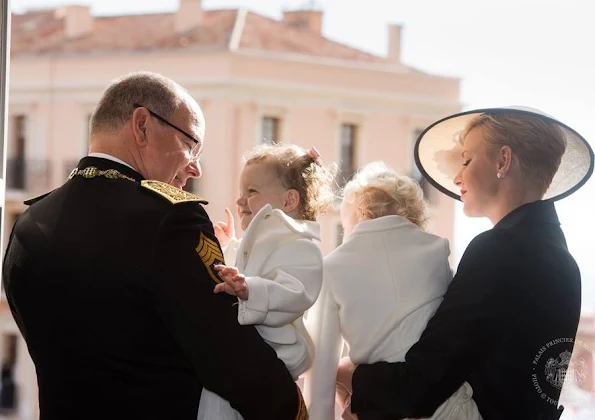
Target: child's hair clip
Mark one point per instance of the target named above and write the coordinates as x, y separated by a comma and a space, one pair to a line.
314, 155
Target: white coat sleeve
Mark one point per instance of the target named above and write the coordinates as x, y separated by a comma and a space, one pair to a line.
230, 251
323, 325
288, 287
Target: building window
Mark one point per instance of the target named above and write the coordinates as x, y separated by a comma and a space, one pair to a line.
193, 184
417, 175
271, 130
87, 133
11, 219
88, 125
15, 176
7, 378
189, 185
415, 172
340, 234
19, 136
348, 141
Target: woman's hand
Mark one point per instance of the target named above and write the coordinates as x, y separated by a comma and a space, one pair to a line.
344, 388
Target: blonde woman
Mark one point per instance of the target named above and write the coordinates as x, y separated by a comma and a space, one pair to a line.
380, 288
509, 318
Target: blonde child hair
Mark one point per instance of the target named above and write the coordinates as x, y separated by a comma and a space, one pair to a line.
377, 190
301, 170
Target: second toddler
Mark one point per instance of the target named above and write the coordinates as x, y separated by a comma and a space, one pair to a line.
278, 267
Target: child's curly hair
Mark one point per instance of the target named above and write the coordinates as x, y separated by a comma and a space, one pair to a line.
379, 191
300, 170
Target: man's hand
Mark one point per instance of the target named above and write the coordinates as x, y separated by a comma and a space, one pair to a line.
225, 231
233, 284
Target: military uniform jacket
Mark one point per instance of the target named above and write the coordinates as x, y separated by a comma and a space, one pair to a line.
506, 325
111, 285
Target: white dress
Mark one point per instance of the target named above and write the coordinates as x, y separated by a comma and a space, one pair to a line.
283, 269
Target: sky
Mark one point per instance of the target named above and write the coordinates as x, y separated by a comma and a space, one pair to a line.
534, 53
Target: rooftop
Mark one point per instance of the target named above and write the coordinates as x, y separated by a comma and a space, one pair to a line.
73, 30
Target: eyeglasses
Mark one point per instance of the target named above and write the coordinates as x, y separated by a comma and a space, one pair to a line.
196, 151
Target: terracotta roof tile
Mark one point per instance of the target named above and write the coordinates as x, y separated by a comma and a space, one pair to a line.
263, 33
42, 32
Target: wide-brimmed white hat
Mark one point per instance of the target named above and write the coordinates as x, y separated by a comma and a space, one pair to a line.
438, 153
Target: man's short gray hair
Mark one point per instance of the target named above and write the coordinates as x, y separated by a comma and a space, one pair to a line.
158, 93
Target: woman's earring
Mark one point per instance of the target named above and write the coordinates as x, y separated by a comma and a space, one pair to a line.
500, 175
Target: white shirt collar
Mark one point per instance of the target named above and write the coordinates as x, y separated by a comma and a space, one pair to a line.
110, 157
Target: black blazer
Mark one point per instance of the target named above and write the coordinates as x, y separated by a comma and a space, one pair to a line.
107, 284
506, 325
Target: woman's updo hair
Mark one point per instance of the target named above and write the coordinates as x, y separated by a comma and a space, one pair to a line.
537, 143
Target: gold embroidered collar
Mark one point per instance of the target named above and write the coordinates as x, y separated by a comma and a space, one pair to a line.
172, 194
92, 172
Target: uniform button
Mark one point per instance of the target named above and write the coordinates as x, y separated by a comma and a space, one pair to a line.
245, 254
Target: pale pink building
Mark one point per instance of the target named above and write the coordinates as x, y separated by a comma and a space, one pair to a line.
254, 77
578, 395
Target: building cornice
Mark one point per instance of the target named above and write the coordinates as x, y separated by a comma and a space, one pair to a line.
233, 49
380, 66
241, 89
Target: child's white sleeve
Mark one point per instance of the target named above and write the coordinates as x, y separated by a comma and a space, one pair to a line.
324, 326
230, 251
289, 285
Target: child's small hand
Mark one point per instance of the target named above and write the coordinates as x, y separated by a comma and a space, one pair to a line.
233, 284
224, 231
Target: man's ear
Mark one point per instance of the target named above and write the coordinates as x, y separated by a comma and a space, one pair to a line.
292, 201
139, 120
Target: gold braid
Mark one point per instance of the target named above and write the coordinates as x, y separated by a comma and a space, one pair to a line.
92, 172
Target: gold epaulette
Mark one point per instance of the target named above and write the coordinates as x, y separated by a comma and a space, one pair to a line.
172, 194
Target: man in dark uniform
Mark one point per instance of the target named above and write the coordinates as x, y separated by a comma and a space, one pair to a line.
110, 277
